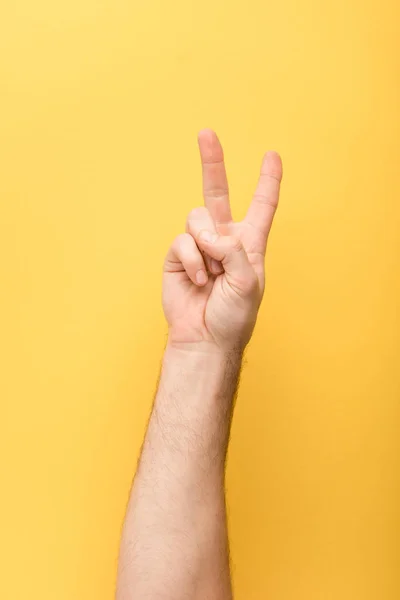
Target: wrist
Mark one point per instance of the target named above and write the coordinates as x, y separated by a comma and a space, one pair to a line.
198, 377
195, 400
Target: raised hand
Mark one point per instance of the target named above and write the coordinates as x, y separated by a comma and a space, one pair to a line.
214, 273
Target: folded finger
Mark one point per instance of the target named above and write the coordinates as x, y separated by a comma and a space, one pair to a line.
184, 255
199, 219
231, 253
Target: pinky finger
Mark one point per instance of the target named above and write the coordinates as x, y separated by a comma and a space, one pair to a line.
184, 256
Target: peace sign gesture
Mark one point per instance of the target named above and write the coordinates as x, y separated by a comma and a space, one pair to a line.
214, 273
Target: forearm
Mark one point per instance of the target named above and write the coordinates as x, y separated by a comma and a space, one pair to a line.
175, 540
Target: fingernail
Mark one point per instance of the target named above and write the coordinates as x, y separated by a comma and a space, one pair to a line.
201, 277
208, 236
216, 266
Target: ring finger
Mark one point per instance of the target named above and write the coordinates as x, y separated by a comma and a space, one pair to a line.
199, 219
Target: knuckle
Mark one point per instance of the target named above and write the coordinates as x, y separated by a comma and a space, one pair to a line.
182, 240
197, 213
274, 174
252, 284
266, 200
235, 244
248, 284
216, 192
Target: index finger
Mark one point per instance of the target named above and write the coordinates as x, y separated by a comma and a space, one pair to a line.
215, 183
265, 200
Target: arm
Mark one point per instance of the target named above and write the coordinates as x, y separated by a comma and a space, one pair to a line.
175, 539
175, 543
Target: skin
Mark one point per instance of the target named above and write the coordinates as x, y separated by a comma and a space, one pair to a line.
174, 542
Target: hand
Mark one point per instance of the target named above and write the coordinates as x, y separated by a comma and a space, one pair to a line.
214, 273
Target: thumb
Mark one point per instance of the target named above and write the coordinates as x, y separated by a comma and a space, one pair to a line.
230, 252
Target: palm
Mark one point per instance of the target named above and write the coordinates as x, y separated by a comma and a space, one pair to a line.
196, 312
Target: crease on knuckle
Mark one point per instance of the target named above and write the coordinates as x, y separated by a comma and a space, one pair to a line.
216, 192
245, 286
274, 174
236, 244
265, 200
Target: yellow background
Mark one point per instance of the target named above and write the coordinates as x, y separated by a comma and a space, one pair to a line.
100, 103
